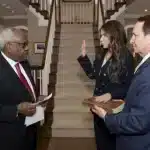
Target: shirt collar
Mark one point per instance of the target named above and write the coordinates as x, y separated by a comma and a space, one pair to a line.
143, 60
9, 60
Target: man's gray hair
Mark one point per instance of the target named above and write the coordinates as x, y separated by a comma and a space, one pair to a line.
7, 35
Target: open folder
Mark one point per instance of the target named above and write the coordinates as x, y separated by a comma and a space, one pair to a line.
39, 115
111, 106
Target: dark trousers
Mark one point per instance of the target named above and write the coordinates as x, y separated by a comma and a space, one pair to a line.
104, 140
18, 139
30, 139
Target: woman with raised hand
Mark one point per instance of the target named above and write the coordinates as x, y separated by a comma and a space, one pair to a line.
112, 69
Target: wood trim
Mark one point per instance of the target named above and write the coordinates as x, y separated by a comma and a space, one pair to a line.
76, 1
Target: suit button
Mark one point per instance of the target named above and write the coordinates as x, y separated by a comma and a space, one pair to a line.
103, 84
100, 91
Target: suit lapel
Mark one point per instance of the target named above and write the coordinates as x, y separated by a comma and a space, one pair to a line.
7, 72
145, 64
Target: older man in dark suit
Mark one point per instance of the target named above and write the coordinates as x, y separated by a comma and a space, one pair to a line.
17, 92
132, 125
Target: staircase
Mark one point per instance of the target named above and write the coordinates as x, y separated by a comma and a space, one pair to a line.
71, 118
67, 120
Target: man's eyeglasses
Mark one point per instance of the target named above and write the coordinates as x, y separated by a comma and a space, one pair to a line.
23, 45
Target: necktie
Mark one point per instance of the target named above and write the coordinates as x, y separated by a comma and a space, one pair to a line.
23, 79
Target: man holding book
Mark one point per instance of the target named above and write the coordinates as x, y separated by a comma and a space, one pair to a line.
132, 124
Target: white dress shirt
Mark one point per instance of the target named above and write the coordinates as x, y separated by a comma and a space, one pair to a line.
143, 60
104, 62
12, 64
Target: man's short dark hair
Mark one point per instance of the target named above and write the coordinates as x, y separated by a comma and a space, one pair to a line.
146, 25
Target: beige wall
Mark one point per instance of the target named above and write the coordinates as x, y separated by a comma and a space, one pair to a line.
15, 22
36, 34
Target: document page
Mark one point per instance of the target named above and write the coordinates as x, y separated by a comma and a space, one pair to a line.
38, 116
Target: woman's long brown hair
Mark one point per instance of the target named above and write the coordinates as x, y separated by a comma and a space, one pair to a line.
116, 33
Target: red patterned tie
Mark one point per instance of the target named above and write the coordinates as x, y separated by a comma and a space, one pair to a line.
23, 79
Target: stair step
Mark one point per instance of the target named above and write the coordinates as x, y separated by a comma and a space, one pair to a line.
71, 90
79, 38
91, 83
73, 26
62, 86
73, 133
76, 78
76, 46
75, 101
69, 57
66, 58
76, 35
77, 42
72, 120
71, 109
75, 50
77, 29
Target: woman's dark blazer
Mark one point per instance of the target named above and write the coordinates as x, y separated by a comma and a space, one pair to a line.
100, 74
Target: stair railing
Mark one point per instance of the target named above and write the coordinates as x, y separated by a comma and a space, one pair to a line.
106, 8
41, 73
76, 12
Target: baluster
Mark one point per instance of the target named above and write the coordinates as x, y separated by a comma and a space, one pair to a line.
105, 8
62, 12
113, 4
45, 4
40, 78
70, 14
73, 12
109, 6
41, 4
80, 7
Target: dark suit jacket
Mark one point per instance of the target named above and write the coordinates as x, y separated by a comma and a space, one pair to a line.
103, 82
12, 92
132, 125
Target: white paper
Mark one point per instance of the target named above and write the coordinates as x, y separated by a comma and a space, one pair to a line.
45, 99
38, 116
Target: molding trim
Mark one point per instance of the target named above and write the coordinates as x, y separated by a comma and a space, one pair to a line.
15, 17
132, 16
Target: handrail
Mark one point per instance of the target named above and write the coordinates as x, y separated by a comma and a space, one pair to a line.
106, 8
99, 13
48, 32
102, 10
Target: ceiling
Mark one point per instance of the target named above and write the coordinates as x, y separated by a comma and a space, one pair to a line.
12, 9
17, 9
